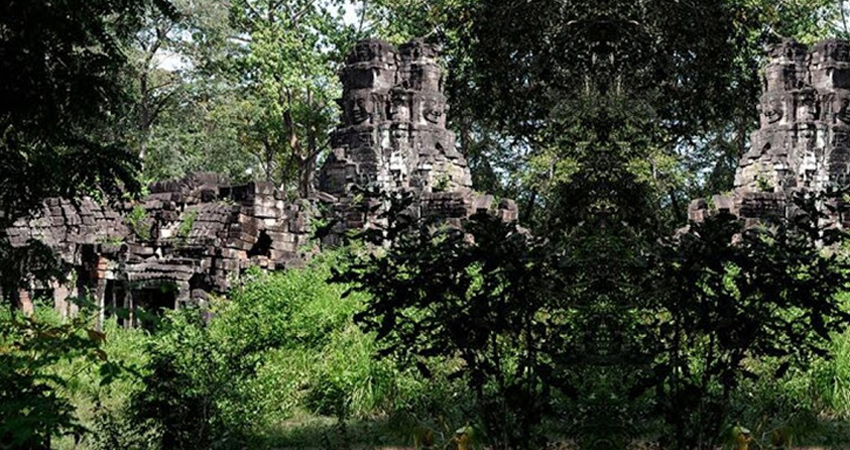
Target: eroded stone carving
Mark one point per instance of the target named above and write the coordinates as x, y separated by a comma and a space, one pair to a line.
803, 142
409, 146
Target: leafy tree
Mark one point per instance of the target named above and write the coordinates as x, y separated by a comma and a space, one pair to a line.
724, 294
31, 408
62, 92
478, 300
155, 89
200, 134
63, 100
185, 116
281, 340
285, 60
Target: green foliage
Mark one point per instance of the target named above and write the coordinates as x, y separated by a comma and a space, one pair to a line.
538, 326
186, 225
62, 91
138, 221
286, 73
102, 408
484, 309
32, 409
183, 381
721, 300
764, 184
283, 343
199, 135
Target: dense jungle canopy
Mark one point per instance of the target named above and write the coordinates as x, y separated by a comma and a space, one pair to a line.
597, 321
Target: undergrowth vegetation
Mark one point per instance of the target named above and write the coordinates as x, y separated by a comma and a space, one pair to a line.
279, 362
282, 363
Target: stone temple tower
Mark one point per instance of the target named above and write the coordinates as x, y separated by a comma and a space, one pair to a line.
803, 140
393, 133
804, 136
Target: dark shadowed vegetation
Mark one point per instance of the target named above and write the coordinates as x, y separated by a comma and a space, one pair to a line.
602, 319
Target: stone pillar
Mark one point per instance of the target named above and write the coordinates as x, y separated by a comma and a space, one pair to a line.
99, 293
184, 295
73, 308
129, 322
25, 302
60, 299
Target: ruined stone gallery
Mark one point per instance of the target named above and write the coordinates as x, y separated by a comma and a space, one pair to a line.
194, 236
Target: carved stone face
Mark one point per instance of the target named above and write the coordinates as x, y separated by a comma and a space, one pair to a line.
807, 107
841, 109
364, 51
432, 111
400, 108
841, 52
773, 111
361, 108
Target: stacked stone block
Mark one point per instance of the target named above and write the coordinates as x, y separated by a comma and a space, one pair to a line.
193, 236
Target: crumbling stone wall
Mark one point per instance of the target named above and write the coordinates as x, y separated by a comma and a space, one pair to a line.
803, 140
188, 238
194, 236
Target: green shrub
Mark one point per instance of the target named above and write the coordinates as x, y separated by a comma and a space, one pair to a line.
283, 348
137, 220
186, 225
283, 343
33, 404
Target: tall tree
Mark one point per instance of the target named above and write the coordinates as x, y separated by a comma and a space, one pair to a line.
284, 59
185, 114
62, 90
62, 86
154, 87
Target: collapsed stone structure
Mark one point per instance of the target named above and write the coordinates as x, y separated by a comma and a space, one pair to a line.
803, 142
186, 239
195, 236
